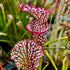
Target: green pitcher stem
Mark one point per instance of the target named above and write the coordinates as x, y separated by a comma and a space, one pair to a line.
64, 63
50, 59
40, 64
18, 68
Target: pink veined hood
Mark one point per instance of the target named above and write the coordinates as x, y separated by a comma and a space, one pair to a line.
40, 25
26, 54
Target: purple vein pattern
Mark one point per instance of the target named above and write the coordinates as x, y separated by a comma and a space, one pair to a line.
26, 53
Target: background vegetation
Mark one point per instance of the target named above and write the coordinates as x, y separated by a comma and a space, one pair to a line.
13, 23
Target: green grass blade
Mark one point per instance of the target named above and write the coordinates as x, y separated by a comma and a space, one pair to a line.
5, 41
45, 66
23, 35
3, 12
9, 6
1, 23
51, 41
24, 1
38, 3
7, 25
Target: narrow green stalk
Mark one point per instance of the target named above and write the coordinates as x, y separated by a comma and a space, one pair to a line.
64, 62
48, 3
24, 1
40, 64
18, 68
45, 66
52, 15
7, 25
9, 6
38, 3
1, 23
3, 12
23, 35
66, 65
50, 59
15, 27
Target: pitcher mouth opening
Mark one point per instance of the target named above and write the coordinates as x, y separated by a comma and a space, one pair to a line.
31, 27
